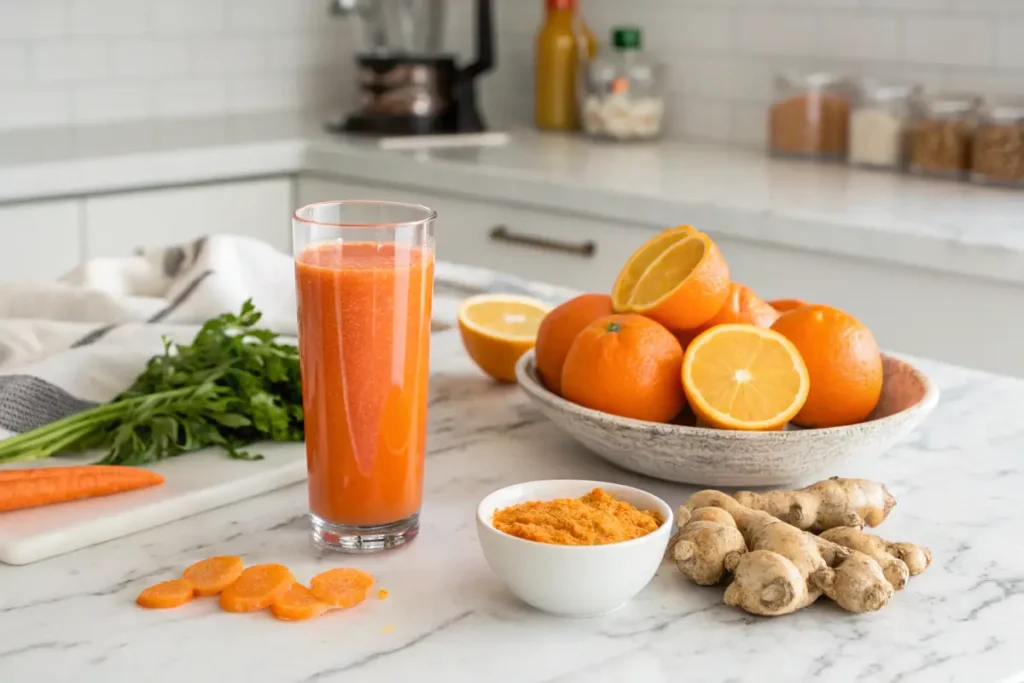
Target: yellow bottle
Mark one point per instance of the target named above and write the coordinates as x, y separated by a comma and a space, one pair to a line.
564, 44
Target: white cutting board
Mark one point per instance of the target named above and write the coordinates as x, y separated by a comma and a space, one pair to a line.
193, 483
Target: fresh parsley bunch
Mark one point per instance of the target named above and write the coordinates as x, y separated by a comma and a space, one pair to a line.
232, 386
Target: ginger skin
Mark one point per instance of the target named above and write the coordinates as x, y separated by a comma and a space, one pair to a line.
707, 538
895, 558
825, 504
786, 568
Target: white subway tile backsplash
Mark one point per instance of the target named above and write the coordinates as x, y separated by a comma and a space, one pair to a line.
149, 57
774, 32
191, 97
1010, 44
848, 36
35, 107
31, 19
704, 29
13, 63
69, 60
187, 17
229, 57
265, 94
955, 41
108, 17
108, 103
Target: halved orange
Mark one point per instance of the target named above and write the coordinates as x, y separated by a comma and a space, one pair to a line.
744, 377
497, 329
641, 260
685, 286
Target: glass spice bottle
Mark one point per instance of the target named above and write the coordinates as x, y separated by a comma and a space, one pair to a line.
879, 124
623, 97
940, 139
998, 150
810, 116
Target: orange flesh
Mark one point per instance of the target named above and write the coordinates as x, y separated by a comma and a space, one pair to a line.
743, 377
641, 260
364, 339
665, 275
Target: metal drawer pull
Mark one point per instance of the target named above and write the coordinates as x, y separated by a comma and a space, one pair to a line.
501, 233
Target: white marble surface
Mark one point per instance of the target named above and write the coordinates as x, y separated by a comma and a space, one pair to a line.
951, 227
957, 481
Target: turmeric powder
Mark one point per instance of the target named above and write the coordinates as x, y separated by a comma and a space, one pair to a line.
594, 519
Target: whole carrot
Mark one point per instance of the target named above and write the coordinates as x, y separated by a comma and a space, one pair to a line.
43, 486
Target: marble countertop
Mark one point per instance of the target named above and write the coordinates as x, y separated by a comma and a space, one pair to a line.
957, 480
949, 227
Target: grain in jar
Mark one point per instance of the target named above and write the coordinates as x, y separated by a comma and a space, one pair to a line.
623, 95
941, 137
810, 116
998, 150
879, 125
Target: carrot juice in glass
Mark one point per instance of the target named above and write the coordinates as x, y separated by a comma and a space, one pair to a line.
364, 274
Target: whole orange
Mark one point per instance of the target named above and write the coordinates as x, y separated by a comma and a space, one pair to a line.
626, 365
843, 362
741, 306
558, 331
786, 305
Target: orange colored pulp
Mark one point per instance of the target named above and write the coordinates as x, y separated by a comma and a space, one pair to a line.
364, 346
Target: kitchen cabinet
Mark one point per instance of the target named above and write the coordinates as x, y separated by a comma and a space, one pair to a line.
554, 247
116, 225
41, 240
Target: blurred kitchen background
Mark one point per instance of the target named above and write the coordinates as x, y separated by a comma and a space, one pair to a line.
91, 61
128, 125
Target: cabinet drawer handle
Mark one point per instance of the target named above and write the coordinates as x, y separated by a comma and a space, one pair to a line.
501, 233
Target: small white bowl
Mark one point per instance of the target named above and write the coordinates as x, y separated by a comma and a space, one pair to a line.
572, 581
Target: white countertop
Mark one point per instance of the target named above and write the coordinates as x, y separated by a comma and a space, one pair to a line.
949, 227
957, 480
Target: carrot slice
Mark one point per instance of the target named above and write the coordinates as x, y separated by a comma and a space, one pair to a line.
45, 485
298, 604
167, 594
214, 574
342, 587
257, 588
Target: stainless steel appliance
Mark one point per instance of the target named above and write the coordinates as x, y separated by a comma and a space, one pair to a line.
406, 82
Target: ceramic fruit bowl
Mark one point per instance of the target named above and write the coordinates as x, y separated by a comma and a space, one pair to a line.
722, 458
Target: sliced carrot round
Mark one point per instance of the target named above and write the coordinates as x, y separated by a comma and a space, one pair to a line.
166, 594
297, 604
214, 574
342, 587
257, 588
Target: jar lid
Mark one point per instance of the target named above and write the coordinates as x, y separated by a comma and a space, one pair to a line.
878, 91
626, 38
814, 79
952, 102
1007, 109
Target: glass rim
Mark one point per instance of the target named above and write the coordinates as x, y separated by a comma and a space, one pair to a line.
430, 214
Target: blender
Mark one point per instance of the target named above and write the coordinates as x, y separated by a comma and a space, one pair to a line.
406, 82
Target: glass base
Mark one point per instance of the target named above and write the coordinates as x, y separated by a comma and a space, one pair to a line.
364, 539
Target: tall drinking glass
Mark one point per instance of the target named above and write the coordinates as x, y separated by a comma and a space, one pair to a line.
364, 274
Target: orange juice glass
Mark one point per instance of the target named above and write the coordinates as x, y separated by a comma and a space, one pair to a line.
364, 274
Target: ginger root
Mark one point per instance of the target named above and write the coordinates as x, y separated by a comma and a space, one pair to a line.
707, 538
785, 568
825, 504
898, 560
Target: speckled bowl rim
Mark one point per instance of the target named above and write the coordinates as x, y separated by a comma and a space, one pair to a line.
526, 375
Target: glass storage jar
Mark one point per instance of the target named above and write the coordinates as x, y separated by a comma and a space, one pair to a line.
941, 136
810, 116
998, 154
623, 92
879, 124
